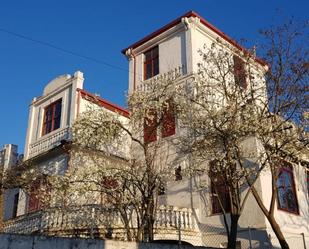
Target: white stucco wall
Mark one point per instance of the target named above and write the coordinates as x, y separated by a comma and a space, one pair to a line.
41, 242
292, 225
172, 54
63, 87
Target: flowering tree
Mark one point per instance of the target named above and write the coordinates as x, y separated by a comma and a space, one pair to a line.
240, 123
118, 163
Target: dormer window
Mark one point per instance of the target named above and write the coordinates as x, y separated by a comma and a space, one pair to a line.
52, 117
151, 63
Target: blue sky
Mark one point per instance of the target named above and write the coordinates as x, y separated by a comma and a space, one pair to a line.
100, 29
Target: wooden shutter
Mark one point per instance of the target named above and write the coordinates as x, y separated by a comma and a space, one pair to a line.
239, 72
150, 128
34, 201
219, 192
168, 120
39, 195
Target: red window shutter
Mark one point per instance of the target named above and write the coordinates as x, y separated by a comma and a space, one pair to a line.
109, 183
168, 120
39, 195
219, 192
34, 201
239, 72
150, 128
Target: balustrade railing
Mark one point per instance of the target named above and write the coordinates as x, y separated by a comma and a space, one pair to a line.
168, 76
48, 142
173, 217
94, 216
24, 224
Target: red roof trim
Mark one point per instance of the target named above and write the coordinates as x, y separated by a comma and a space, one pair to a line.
104, 103
203, 21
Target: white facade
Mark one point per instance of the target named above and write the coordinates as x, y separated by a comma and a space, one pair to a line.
178, 44
45, 149
8, 159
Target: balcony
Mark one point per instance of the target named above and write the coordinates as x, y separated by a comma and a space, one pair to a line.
170, 76
97, 221
48, 141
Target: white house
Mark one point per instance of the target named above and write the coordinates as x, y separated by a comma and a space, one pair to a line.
173, 48
9, 158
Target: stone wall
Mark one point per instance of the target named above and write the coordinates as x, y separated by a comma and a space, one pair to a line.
9, 241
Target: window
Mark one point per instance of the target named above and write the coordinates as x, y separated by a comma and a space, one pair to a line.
15, 205
287, 199
34, 203
239, 72
178, 175
52, 117
151, 63
38, 195
110, 183
161, 189
168, 123
168, 120
150, 128
219, 193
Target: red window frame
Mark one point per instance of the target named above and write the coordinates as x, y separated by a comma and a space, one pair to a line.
34, 203
38, 189
151, 62
52, 117
220, 190
239, 72
168, 120
286, 191
110, 183
150, 127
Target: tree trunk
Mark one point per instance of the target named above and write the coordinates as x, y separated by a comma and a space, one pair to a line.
233, 231
270, 217
148, 234
126, 224
277, 231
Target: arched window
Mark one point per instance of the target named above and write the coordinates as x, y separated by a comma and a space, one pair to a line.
287, 199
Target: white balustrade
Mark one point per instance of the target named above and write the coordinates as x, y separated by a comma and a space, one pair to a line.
173, 217
170, 75
48, 142
94, 216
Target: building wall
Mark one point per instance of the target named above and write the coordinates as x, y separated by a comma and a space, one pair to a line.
37, 242
172, 54
8, 159
64, 87
292, 225
52, 164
